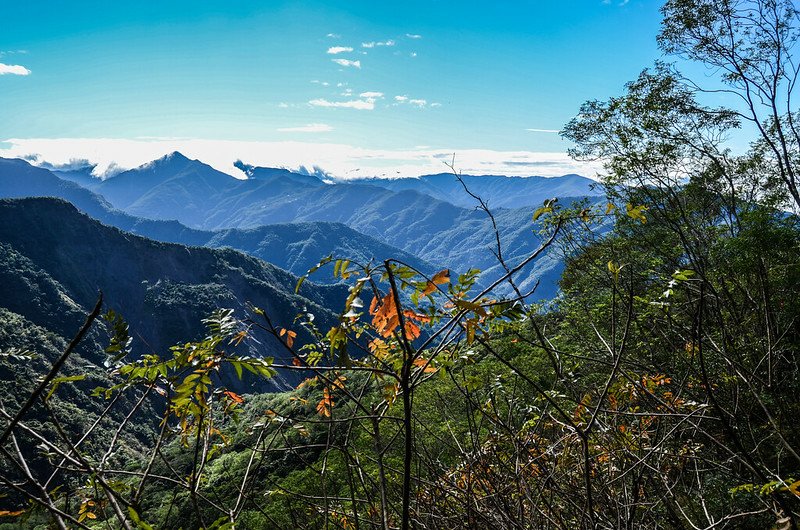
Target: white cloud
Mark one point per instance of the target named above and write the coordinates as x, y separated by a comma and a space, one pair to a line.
309, 128
13, 69
347, 62
358, 104
417, 102
339, 159
412, 54
283, 105
333, 36
371, 95
413, 36
543, 130
372, 44
333, 50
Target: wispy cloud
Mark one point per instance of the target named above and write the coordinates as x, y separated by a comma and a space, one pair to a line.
13, 69
333, 50
543, 130
309, 128
333, 36
412, 54
413, 36
371, 95
416, 102
372, 44
358, 104
12, 52
347, 62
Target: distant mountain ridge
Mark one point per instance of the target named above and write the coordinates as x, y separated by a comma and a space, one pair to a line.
434, 229
496, 190
429, 217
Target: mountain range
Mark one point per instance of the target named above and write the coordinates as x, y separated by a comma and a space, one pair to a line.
427, 217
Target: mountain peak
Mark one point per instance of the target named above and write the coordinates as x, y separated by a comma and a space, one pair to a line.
170, 163
175, 157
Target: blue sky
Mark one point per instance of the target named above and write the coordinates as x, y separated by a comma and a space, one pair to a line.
376, 77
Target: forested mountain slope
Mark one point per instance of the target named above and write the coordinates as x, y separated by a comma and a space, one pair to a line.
53, 255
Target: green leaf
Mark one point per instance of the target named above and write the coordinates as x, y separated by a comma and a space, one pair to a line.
64, 379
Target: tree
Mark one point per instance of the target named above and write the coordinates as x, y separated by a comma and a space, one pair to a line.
750, 45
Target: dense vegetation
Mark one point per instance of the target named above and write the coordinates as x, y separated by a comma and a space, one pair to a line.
659, 390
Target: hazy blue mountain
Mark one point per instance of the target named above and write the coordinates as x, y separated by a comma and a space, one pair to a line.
81, 175
295, 247
171, 181
436, 231
496, 191
18, 178
53, 254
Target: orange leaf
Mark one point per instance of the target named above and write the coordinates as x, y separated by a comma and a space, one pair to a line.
325, 404
290, 335
385, 318
439, 278
423, 363
233, 396
416, 316
8, 513
412, 330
